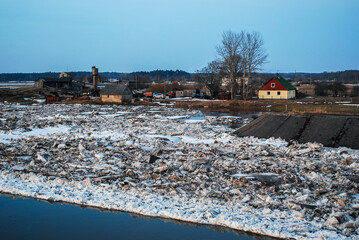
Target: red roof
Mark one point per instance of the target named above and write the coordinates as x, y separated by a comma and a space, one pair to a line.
277, 84
269, 85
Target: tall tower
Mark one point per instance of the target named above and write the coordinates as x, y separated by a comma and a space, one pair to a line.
94, 77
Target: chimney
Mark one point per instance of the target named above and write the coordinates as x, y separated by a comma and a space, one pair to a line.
94, 77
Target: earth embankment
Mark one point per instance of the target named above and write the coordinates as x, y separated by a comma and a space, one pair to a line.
330, 130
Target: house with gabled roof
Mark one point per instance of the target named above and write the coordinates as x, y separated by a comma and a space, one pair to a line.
116, 93
277, 88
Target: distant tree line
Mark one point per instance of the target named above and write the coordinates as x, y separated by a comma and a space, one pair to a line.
153, 76
19, 77
343, 76
158, 76
348, 76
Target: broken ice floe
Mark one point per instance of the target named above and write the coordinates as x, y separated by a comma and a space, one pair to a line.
193, 171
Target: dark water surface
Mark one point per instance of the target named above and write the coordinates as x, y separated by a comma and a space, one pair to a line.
201, 115
30, 219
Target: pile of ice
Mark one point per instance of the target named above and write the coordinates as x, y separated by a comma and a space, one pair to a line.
157, 161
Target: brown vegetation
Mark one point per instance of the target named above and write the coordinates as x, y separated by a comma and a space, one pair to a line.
336, 109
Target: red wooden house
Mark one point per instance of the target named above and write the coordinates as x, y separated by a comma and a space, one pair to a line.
277, 88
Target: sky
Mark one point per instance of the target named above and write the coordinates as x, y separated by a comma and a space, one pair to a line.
145, 35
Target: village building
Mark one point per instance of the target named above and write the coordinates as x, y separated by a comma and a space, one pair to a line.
226, 81
277, 88
205, 91
185, 93
54, 83
62, 84
116, 93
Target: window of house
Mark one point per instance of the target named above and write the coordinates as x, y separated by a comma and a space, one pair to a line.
272, 84
278, 93
268, 93
108, 96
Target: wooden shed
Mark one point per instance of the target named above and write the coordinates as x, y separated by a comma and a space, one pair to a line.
277, 88
116, 93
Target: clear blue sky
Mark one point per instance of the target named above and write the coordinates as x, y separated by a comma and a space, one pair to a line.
135, 35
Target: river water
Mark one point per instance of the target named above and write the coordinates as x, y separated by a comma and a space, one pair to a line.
24, 218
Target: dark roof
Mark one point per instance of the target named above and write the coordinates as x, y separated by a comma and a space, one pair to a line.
115, 89
284, 83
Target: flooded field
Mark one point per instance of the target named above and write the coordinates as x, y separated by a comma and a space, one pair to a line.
13, 85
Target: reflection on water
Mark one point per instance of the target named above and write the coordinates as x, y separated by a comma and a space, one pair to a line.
30, 219
240, 111
235, 114
235, 123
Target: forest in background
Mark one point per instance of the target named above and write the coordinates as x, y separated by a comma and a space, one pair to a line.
160, 76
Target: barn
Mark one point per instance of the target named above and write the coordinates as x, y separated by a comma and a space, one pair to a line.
277, 88
116, 93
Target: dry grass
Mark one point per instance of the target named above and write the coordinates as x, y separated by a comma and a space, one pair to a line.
335, 109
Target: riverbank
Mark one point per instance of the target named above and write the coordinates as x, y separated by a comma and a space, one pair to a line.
333, 106
329, 130
178, 164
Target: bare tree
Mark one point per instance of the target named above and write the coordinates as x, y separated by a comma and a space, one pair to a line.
338, 89
229, 53
244, 49
210, 77
241, 53
255, 55
355, 92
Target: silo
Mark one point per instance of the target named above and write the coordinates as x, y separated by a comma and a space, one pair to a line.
94, 77
94, 71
